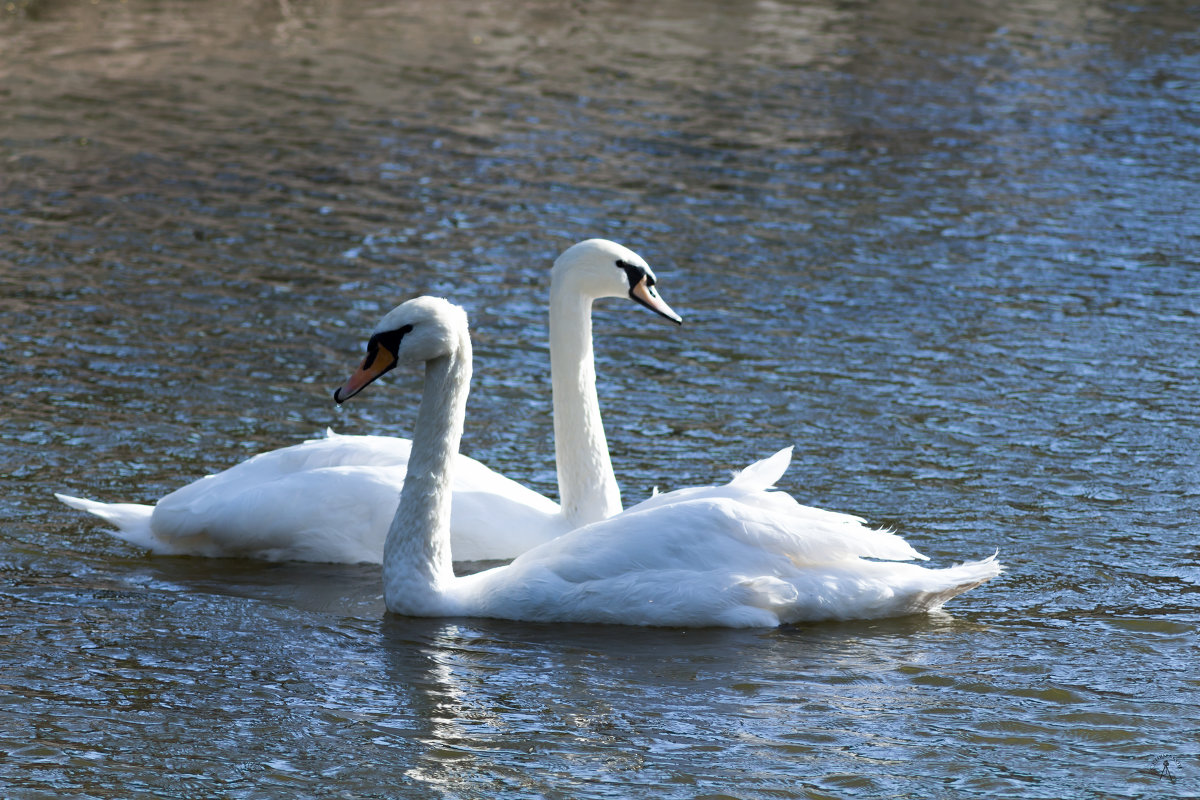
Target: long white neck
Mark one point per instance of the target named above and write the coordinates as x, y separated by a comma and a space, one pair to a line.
587, 486
417, 565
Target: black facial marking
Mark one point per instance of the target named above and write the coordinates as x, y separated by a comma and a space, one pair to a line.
389, 340
636, 274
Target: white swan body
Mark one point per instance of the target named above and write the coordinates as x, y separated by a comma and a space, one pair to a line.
734, 555
332, 499
325, 500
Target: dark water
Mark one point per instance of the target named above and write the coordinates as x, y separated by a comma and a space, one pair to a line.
949, 251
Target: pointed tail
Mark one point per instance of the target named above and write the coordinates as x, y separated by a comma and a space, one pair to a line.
132, 520
956, 580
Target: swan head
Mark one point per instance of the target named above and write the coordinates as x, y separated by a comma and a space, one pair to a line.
417, 330
600, 268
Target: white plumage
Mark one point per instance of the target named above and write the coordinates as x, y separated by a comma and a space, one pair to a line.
736, 555
326, 500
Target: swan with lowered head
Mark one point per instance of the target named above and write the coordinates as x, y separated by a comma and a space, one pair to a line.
735, 555
332, 499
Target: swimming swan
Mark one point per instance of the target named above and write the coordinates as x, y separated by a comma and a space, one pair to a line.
332, 499
735, 555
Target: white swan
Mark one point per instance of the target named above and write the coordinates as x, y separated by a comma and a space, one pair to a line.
735, 555
332, 499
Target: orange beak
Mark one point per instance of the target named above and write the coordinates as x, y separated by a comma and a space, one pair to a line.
378, 361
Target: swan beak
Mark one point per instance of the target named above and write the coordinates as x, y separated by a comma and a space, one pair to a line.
378, 361
648, 296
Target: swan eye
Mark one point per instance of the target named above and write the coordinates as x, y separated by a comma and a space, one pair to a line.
635, 274
388, 340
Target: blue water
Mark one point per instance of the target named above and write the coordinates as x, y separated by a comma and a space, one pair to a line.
948, 252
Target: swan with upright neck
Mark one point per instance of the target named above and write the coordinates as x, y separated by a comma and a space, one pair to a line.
736, 555
332, 499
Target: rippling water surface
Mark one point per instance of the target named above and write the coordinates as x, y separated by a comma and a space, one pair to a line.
948, 251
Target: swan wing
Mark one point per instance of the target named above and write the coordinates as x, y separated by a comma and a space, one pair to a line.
328, 500
494, 517
774, 520
315, 501
732, 555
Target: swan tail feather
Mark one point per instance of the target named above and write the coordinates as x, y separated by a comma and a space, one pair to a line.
956, 580
132, 520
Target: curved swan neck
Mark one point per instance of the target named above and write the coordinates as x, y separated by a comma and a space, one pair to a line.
417, 564
587, 486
